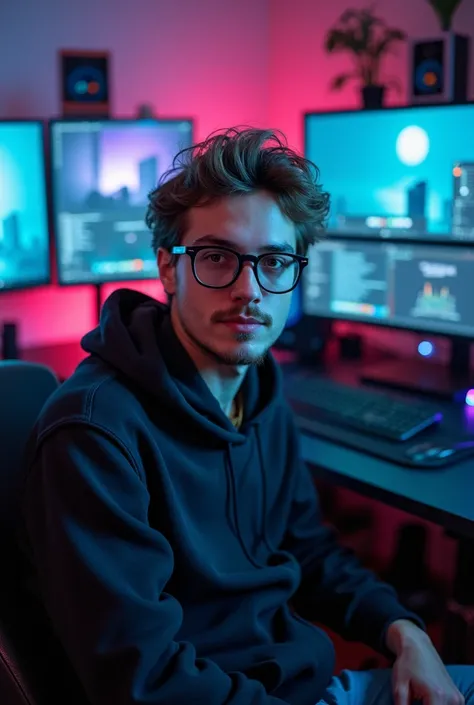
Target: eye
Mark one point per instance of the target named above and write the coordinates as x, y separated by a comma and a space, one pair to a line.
212, 256
275, 262
215, 257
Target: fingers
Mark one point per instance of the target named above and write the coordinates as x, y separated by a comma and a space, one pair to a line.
436, 696
401, 694
457, 698
444, 697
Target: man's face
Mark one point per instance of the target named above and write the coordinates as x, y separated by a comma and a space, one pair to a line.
249, 224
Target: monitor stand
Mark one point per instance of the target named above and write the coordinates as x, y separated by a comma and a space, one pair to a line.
10, 349
98, 301
450, 381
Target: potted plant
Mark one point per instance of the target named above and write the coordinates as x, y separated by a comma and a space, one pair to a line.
445, 10
369, 39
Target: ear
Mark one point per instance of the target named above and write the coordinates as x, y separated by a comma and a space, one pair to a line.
167, 270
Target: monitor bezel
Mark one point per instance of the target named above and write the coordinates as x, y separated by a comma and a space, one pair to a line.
47, 280
424, 331
444, 240
127, 120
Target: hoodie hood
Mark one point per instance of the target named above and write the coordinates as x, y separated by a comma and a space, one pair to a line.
136, 338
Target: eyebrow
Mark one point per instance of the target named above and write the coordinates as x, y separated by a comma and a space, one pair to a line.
223, 242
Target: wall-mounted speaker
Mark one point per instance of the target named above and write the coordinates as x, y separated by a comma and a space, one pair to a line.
85, 83
439, 69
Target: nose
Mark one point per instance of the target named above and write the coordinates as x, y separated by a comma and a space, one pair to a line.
246, 288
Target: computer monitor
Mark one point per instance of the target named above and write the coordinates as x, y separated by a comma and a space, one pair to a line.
397, 172
103, 171
24, 236
423, 287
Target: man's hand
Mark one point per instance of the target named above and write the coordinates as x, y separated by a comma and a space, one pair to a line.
418, 672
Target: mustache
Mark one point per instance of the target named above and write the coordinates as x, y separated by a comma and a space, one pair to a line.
250, 311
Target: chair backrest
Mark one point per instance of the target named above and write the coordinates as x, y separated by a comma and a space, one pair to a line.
24, 677
24, 389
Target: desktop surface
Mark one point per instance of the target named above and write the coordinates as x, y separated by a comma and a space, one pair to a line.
442, 494
62, 358
403, 428
24, 235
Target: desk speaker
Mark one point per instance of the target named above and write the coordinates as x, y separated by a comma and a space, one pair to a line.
439, 69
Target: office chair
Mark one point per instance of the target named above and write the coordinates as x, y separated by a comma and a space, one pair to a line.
32, 668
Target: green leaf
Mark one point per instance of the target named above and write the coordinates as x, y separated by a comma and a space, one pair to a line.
445, 10
340, 40
385, 42
367, 37
338, 82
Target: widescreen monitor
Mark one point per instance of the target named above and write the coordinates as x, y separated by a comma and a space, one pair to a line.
422, 287
103, 171
24, 236
397, 172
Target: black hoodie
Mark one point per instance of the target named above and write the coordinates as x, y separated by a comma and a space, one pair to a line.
179, 558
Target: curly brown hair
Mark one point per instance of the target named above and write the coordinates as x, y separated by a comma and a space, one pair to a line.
237, 162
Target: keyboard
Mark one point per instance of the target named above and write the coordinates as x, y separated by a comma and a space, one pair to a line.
362, 409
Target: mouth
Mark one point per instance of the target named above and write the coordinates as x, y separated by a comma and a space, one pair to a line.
241, 324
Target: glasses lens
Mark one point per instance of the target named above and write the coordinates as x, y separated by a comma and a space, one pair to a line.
216, 267
278, 272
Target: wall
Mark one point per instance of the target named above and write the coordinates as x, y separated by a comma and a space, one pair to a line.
199, 59
300, 70
300, 73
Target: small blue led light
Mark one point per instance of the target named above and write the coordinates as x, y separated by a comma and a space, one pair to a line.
425, 348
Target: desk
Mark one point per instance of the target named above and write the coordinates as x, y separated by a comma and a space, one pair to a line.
443, 496
62, 358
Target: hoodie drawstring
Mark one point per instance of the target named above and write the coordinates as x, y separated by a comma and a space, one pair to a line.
229, 467
261, 465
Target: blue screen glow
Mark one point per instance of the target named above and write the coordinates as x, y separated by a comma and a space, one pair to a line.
24, 241
405, 172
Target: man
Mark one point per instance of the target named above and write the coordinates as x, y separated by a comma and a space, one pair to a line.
174, 530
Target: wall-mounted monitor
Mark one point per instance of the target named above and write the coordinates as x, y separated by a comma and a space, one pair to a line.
397, 172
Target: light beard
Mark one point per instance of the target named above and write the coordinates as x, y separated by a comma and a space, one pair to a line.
237, 359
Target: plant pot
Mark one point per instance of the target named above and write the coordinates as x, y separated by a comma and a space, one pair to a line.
372, 97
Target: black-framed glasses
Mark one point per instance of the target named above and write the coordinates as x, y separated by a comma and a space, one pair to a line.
218, 267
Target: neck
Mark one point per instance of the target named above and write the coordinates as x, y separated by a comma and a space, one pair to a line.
224, 381
224, 389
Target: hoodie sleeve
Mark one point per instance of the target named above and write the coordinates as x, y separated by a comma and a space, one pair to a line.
102, 573
335, 589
